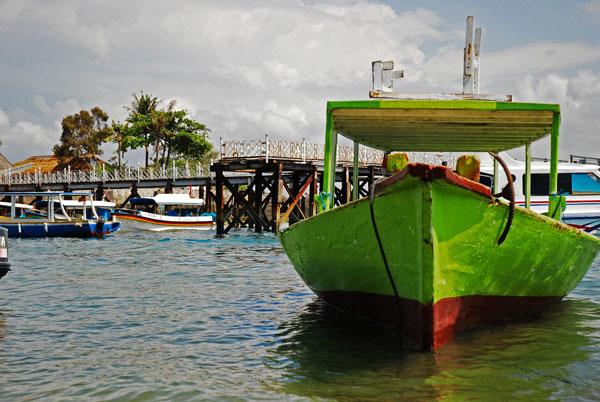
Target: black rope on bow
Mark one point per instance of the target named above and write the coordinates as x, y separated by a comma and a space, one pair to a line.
508, 192
385, 262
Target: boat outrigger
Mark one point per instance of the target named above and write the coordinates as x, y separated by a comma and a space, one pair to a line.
430, 251
22, 220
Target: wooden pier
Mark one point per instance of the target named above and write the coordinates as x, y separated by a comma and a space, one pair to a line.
280, 191
260, 185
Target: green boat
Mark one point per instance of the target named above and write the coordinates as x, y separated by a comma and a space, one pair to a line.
431, 252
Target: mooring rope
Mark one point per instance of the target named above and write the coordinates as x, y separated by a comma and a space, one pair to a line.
385, 262
508, 192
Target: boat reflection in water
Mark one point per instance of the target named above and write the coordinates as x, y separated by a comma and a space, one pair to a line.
324, 354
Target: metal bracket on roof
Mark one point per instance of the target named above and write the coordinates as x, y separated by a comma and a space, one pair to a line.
383, 76
471, 59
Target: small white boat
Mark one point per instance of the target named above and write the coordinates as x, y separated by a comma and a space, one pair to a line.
164, 212
579, 184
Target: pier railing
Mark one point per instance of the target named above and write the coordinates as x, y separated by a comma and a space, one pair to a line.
127, 173
304, 151
295, 150
267, 148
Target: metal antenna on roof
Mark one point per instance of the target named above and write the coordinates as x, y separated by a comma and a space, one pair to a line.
471, 59
384, 75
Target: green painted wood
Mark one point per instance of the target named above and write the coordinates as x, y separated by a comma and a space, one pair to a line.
330, 161
442, 104
440, 240
528, 176
554, 199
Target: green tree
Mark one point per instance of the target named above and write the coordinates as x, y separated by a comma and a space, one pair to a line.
170, 132
185, 138
160, 129
119, 135
140, 119
82, 135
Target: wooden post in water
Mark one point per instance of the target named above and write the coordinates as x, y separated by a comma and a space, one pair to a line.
313, 192
258, 191
219, 191
275, 202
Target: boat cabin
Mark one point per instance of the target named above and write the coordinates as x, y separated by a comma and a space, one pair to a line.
169, 205
573, 178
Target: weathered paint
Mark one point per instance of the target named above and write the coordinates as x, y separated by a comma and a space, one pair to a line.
476, 59
439, 96
468, 166
395, 161
384, 75
468, 84
439, 233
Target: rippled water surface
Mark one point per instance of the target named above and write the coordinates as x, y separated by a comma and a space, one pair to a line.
188, 316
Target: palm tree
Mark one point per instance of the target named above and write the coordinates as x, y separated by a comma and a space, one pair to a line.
118, 133
159, 126
144, 105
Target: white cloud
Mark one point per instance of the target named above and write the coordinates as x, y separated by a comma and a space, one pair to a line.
23, 139
249, 68
577, 96
592, 9
537, 57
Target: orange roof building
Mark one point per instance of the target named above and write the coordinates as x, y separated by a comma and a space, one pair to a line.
49, 164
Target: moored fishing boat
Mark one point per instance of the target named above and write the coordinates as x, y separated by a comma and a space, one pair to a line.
164, 212
430, 251
22, 220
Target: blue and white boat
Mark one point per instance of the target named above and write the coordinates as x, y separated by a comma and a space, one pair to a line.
22, 220
4, 263
579, 184
165, 212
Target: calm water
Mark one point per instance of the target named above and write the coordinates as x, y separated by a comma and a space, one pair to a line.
187, 316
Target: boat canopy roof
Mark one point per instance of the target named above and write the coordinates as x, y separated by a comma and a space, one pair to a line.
17, 205
167, 199
77, 204
442, 125
44, 194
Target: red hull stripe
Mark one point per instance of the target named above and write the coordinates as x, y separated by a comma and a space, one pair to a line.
426, 327
139, 218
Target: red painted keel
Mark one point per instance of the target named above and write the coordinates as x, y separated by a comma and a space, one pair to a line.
429, 327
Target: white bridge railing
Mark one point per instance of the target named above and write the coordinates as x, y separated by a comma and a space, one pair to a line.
128, 173
295, 150
304, 151
290, 150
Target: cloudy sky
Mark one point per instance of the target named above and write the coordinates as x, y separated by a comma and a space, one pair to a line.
247, 68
